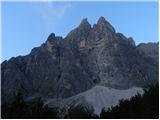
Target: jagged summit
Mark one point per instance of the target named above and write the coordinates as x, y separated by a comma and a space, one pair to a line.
84, 22
103, 24
51, 36
84, 25
101, 20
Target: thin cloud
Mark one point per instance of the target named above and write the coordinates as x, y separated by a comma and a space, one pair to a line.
51, 12
58, 9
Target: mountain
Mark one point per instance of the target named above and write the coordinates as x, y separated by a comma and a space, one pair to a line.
88, 56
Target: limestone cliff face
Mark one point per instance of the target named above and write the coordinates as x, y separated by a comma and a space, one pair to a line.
87, 56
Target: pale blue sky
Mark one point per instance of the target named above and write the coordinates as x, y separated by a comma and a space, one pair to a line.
27, 24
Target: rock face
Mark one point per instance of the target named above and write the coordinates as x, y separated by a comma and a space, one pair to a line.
150, 50
87, 56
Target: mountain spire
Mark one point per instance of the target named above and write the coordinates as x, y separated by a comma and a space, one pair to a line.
103, 24
101, 20
51, 37
85, 24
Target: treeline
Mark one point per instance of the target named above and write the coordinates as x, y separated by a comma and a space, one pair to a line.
20, 109
146, 106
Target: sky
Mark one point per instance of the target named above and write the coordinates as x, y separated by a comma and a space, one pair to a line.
26, 25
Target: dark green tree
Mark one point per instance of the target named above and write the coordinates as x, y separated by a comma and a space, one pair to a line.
81, 112
20, 109
145, 106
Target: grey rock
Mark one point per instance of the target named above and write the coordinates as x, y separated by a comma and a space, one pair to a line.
149, 50
103, 24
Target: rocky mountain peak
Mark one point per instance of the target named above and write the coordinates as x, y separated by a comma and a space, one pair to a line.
131, 41
102, 24
85, 24
101, 20
81, 32
51, 37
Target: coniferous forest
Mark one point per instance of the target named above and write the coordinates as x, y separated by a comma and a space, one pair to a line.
145, 106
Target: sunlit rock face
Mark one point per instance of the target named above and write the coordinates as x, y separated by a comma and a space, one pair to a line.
87, 56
